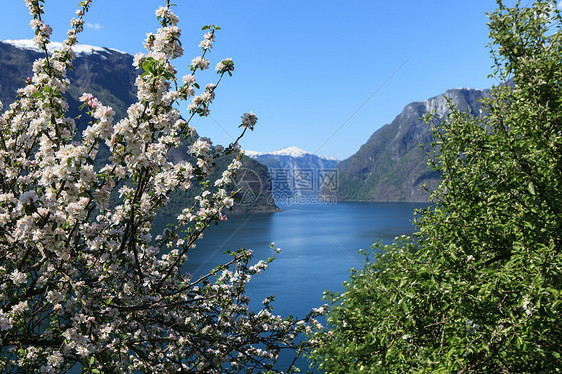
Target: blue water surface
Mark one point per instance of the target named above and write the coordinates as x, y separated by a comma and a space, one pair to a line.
319, 245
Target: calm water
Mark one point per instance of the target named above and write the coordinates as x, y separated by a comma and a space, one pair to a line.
319, 244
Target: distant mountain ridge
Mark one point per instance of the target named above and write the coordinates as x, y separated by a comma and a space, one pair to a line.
391, 166
295, 172
109, 75
78, 49
287, 151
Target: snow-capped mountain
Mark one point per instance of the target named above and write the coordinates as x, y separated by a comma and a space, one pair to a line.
288, 151
106, 72
79, 49
295, 172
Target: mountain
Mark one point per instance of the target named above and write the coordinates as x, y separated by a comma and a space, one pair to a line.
391, 166
110, 75
106, 72
295, 172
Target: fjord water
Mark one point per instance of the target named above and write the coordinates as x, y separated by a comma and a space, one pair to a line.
319, 244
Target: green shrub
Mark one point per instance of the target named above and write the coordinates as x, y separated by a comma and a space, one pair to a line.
478, 290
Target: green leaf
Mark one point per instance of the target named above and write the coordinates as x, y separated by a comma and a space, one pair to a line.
553, 291
531, 188
30, 209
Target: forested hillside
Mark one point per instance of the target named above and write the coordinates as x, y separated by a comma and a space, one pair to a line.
391, 165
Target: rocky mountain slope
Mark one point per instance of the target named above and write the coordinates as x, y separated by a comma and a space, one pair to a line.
106, 72
109, 74
391, 166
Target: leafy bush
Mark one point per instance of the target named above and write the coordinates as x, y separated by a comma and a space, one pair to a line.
478, 290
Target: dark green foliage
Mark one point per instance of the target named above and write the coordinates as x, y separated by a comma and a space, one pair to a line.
479, 290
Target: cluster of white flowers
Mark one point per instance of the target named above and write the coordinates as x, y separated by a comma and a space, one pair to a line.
226, 65
83, 281
528, 306
249, 120
207, 42
6, 322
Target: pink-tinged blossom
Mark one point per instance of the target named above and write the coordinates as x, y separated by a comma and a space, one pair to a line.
55, 359
189, 79
6, 322
225, 65
35, 23
249, 120
46, 29
20, 307
228, 202
137, 59
200, 63
206, 44
161, 11
18, 278
89, 100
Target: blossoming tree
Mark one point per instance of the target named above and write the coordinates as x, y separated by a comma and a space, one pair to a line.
83, 283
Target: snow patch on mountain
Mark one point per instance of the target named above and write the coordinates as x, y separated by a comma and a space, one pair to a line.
288, 151
252, 154
79, 49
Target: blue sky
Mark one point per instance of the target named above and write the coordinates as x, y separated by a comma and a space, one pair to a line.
320, 75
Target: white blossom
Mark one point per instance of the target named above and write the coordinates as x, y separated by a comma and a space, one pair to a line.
18, 277
249, 120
